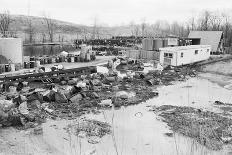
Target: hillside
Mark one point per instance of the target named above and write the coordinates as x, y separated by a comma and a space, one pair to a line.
20, 23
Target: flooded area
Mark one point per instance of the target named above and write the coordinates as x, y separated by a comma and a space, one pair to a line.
135, 129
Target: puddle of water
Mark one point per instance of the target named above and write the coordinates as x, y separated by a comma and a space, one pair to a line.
145, 134
137, 131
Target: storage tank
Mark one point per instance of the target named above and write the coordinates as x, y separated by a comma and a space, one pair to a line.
157, 43
165, 43
147, 44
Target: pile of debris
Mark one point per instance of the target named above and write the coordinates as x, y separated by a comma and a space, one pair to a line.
93, 130
208, 128
127, 64
17, 112
73, 97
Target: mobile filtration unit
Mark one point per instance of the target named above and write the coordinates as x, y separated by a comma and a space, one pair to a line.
183, 55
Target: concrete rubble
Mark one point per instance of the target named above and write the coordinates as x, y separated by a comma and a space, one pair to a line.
27, 105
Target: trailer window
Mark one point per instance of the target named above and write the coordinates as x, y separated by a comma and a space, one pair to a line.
182, 55
196, 51
168, 55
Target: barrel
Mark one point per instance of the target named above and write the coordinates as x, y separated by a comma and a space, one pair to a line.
76, 59
25, 64
49, 60
32, 58
37, 63
60, 59
3, 68
53, 59
32, 64
57, 60
26, 58
7, 68
72, 59
17, 66
69, 59
12, 67
87, 56
45, 60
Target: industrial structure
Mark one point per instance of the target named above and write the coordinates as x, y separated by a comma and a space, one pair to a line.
11, 49
199, 46
213, 38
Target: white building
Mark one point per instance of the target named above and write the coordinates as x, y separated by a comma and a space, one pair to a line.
182, 55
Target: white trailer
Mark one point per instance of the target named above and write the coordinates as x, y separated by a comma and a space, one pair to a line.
182, 55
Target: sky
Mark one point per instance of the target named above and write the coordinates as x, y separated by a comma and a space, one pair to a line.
114, 12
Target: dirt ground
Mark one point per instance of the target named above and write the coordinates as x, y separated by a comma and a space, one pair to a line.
223, 67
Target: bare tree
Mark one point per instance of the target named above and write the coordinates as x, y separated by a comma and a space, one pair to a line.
192, 24
216, 21
5, 21
30, 30
134, 29
50, 27
204, 21
96, 29
43, 37
143, 27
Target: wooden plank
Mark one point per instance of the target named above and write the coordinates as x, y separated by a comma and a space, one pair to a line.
74, 72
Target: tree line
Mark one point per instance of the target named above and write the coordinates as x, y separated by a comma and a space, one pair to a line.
206, 21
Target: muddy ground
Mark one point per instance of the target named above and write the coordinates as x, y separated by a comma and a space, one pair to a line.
134, 89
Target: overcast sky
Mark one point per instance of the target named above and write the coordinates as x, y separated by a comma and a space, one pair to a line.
114, 12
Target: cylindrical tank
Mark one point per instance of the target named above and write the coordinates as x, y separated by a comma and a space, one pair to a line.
165, 43
157, 43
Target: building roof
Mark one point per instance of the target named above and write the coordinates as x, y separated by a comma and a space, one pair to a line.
207, 38
181, 48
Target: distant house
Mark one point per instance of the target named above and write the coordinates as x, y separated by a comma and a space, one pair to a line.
213, 38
